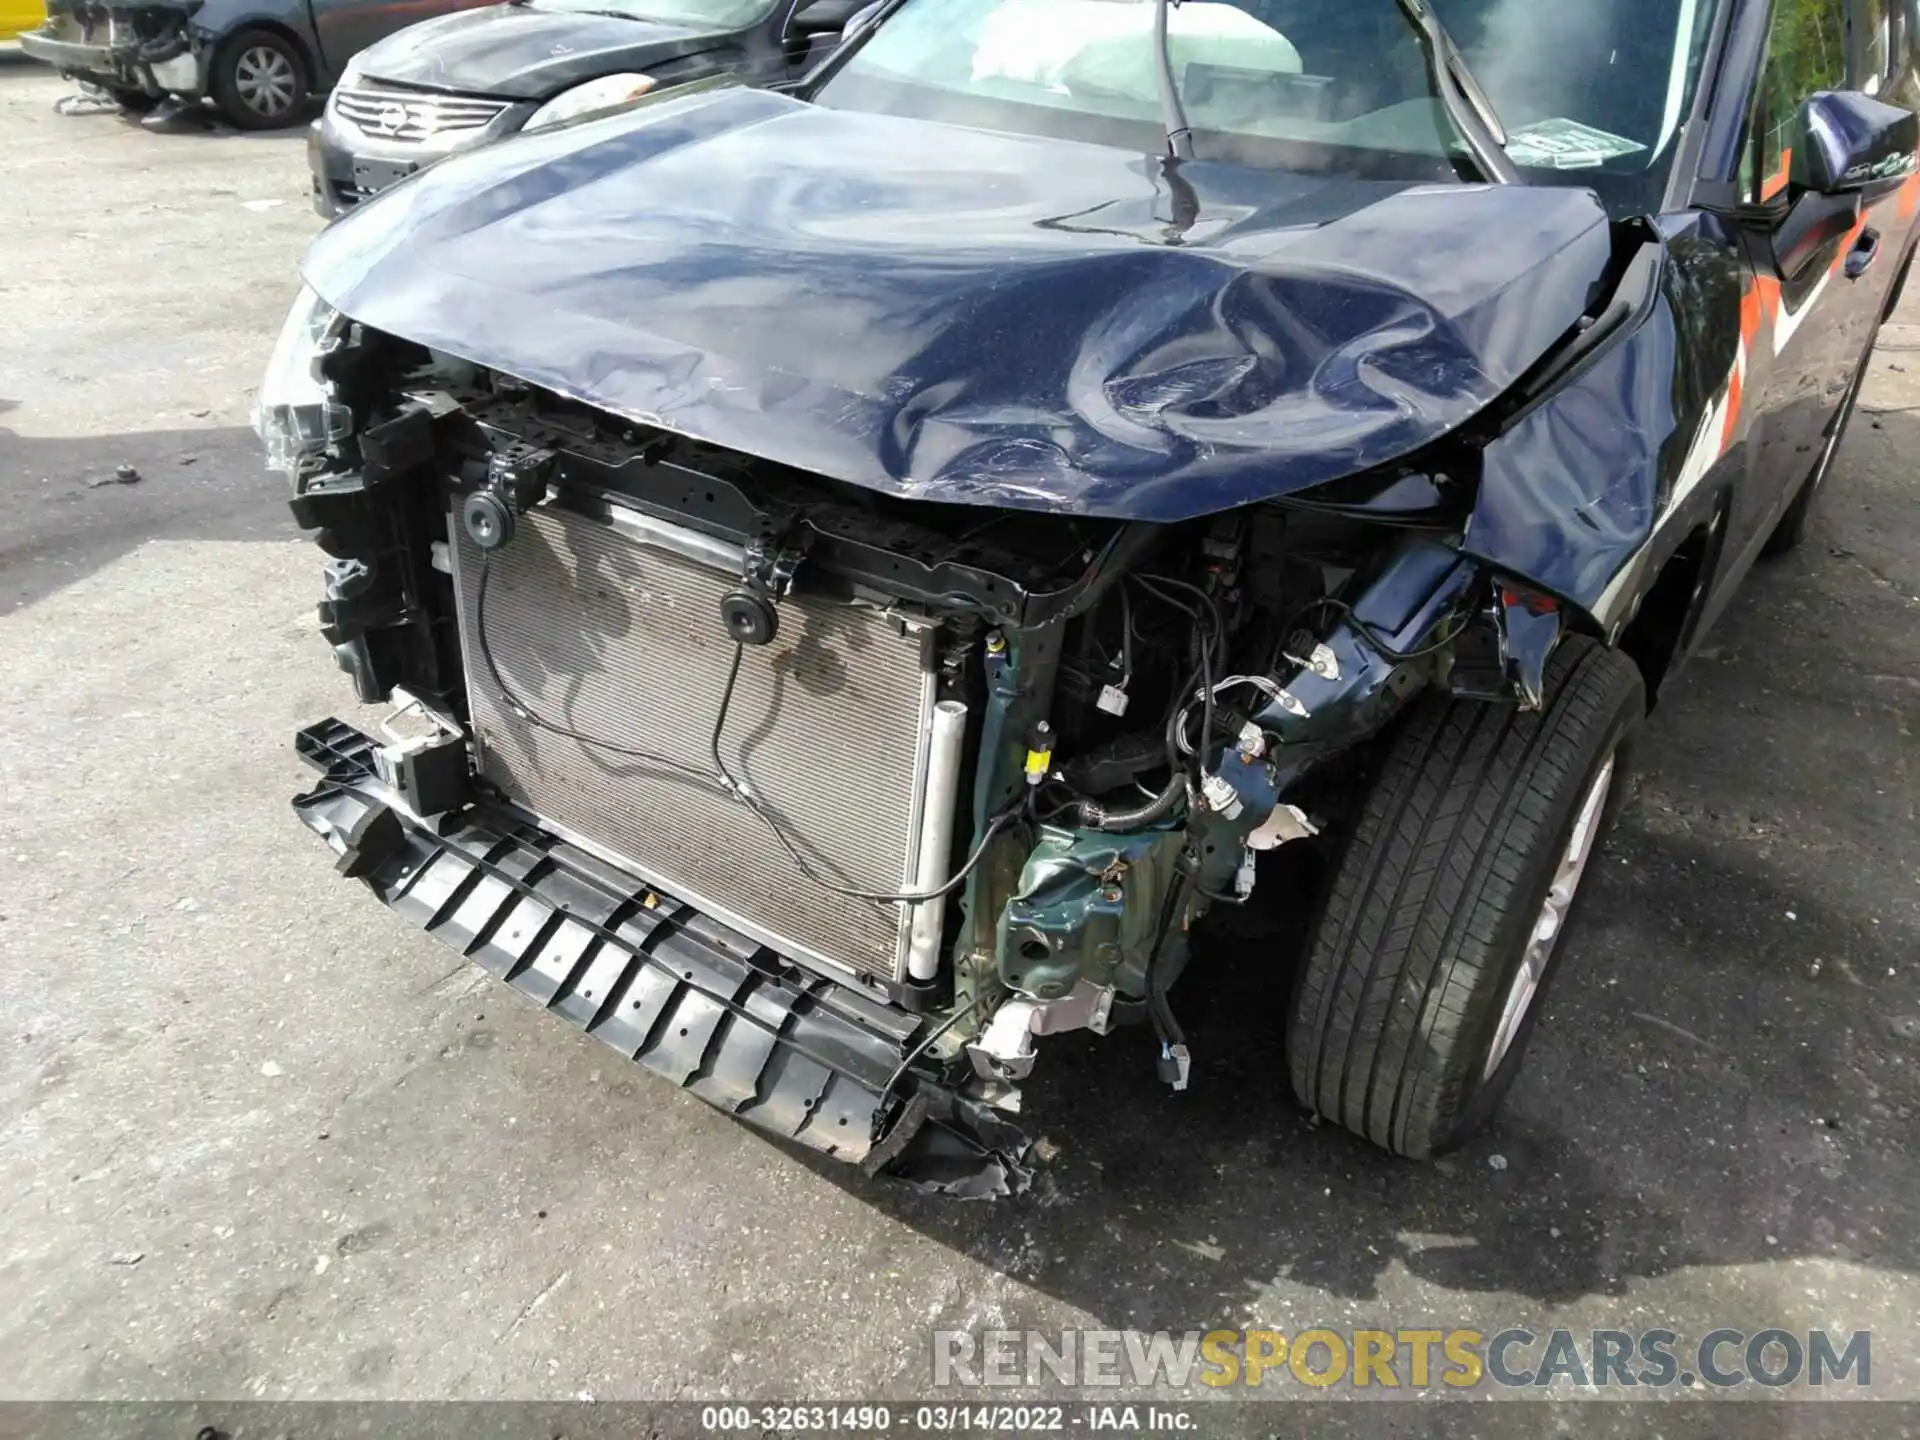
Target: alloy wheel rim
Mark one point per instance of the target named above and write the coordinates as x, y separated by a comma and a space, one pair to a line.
265, 81
1551, 922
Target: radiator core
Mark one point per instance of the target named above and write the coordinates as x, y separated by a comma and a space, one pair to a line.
622, 644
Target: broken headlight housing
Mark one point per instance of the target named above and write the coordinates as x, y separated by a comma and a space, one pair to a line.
296, 415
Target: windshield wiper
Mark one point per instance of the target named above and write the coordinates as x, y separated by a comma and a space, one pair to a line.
1466, 104
1173, 115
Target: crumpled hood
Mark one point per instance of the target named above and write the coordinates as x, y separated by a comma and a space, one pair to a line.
518, 52
954, 315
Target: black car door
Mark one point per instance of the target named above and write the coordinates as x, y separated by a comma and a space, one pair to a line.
1805, 326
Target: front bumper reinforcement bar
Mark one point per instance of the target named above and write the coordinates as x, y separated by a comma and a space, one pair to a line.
719, 1015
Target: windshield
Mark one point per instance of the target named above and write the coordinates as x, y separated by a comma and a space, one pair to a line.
1591, 91
693, 14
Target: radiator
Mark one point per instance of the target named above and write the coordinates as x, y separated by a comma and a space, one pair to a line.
622, 644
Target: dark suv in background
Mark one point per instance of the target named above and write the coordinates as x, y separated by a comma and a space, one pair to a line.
464, 80
258, 61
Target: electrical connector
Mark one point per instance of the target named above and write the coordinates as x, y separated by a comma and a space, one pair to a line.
1039, 752
1221, 797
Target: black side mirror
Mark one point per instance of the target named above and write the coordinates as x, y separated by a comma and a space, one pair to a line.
823, 17
1845, 144
1850, 141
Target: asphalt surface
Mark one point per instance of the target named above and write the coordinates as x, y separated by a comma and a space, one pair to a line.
260, 1140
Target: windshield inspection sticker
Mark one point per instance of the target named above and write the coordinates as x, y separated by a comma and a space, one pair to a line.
1566, 145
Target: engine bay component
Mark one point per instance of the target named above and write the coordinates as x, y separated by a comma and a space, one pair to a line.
993, 779
993, 786
488, 520
424, 764
1039, 752
705, 760
946, 736
608, 645
750, 610
516, 481
750, 617
1005, 1050
1085, 910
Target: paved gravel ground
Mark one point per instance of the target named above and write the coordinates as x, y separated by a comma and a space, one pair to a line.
351, 1167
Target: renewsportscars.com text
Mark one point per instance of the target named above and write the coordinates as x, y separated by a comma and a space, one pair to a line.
1412, 1359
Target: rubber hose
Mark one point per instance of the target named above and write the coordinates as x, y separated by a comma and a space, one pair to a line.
1096, 816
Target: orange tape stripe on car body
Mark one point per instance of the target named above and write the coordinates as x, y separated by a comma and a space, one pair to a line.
1760, 303
1909, 196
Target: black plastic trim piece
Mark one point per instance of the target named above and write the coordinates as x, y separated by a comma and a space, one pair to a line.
787, 1051
699, 486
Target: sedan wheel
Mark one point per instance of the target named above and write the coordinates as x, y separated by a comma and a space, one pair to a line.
264, 79
260, 81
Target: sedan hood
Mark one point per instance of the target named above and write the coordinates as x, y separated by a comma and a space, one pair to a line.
953, 315
517, 52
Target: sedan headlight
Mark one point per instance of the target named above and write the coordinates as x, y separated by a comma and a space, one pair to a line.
296, 415
609, 92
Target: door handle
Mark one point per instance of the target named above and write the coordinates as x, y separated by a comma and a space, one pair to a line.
1865, 251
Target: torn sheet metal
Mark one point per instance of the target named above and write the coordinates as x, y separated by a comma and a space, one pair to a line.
1571, 494
956, 315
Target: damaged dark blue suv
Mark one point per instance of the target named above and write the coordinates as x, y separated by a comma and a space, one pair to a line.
871, 574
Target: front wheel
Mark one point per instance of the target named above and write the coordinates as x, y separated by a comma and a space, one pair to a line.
259, 81
1442, 927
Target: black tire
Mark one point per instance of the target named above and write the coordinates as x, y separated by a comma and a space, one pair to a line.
1792, 528
1436, 895
259, 81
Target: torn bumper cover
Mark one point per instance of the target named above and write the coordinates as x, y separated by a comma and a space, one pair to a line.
146, 47
719, 1015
